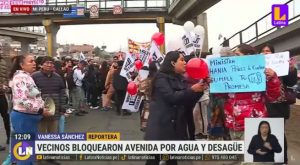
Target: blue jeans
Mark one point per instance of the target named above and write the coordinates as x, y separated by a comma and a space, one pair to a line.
24, 123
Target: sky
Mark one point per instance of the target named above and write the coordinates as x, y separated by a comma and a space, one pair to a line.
226, 17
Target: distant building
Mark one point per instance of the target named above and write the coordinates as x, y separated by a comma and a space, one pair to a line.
87, 50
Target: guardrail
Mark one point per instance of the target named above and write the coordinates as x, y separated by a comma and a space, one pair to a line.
34, 29
262, 27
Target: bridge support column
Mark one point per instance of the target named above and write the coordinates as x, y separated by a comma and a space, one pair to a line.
161, 26
202, 20
51, 30
24, 44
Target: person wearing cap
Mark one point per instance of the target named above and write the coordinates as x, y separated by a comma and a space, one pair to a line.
52, 86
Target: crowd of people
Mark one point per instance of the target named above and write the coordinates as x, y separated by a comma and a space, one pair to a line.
175, 107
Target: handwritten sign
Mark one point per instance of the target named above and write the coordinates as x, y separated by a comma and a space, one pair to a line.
279, 62
127, 67
132, 102
237, 74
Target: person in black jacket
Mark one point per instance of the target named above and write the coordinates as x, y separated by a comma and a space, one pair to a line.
169, 99
264, 144
120, 85
281, 108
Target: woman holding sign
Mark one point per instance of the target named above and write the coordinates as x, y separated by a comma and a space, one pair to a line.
238, 106
281, 106
169, 99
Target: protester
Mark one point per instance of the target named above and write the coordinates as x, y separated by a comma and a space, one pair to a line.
170, 96
52, 86
77, 93
239, 106
3, 102
93, 85
28, 106
104, 68
264, 144
144, 90
280, 107
120, 85
109, 89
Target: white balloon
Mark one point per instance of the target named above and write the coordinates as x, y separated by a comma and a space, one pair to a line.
188, 26
199, 30
175, 44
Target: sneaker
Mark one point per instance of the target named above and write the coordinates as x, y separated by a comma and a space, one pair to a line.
68, 111
91, 107
7, 161
104, 109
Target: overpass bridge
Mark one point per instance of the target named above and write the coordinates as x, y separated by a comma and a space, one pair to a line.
134, 11
25, 35
261, 32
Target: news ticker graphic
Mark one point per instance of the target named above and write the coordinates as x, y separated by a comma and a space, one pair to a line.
28, 9
140, 157
29, 146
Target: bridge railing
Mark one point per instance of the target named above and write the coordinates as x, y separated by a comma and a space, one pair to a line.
262, 27
107, 5
33, 29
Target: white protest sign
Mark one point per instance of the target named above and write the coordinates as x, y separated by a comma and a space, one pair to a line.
279, 62
188, 43
132, 102
127, 67
144, 55
155, 53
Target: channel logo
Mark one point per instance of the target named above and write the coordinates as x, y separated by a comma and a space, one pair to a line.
280, 15
23, 151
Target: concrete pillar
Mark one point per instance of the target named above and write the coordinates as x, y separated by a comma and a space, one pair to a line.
24, 44
51, 30
202, 20
161, 26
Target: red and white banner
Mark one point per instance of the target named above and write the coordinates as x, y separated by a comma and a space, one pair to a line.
135, 47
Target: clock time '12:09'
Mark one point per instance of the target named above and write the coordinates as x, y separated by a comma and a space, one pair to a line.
22, 136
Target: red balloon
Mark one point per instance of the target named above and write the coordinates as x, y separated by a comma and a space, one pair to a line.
132, 88
138, 64
197, 69
159, 38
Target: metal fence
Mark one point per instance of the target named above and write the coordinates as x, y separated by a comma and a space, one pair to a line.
262, 26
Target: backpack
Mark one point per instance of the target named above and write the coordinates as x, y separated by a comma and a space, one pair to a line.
70, 80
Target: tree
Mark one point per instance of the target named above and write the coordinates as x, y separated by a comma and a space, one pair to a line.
97, 51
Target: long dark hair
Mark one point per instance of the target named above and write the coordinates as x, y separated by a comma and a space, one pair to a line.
261, 123
166, 66
271, 47
246, 49
16, 64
